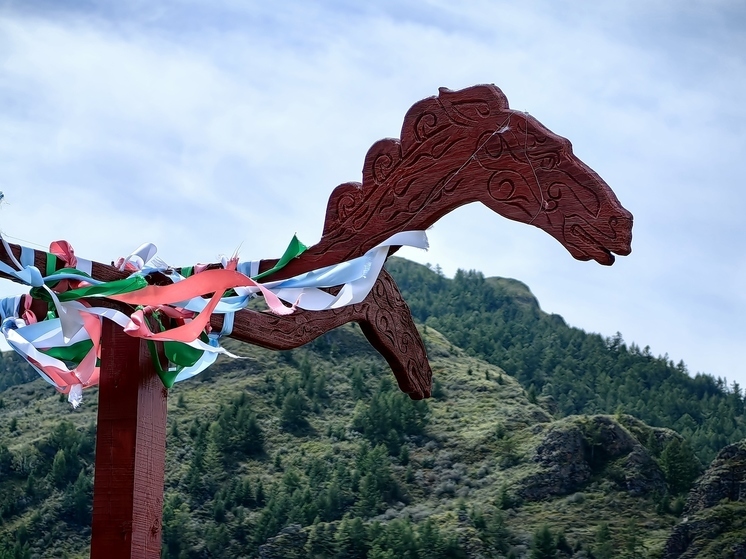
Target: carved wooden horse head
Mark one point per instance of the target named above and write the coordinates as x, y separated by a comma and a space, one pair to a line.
531, 175
459, 147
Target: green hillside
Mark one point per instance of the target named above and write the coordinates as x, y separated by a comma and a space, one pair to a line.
499, 320
315, 453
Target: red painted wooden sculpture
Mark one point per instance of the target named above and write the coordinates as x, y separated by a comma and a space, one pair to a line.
459, 147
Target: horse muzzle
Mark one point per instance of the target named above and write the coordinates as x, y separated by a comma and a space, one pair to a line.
600, 239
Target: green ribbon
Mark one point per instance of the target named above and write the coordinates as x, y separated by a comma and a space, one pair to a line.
178, 353
294, 249
51, 264
167, 377
73, 353
181, 355
116, 287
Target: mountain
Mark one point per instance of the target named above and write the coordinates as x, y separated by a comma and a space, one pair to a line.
315, 453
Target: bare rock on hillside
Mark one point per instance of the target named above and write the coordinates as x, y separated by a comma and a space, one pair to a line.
714, 518
576, 448
287, 544
724, 479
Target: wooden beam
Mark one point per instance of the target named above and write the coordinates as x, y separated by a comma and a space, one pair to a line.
130, 451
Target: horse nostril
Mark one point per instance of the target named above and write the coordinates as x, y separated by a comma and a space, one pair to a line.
623, 233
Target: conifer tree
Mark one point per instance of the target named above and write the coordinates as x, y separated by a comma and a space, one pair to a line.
58, 474
81, 499
680, 465
603, 548
351, 539
543, 545
320, 543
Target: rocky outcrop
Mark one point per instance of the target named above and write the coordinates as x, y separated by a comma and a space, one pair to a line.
714, 518
575, 449
642, 474
564, 469
719, 535
724, 479
287, 544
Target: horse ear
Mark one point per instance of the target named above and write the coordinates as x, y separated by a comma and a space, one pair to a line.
466, 107
423, 120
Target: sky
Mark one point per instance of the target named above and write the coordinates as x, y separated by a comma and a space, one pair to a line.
207, 127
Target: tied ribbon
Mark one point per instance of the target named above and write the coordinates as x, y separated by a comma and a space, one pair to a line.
44, 347
108, 289
209, 281
137, 260
356, 277
65, 348
64, 251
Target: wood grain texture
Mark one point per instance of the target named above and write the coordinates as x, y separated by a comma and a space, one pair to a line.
130, 451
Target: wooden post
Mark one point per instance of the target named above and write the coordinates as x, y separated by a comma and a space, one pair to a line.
130, 451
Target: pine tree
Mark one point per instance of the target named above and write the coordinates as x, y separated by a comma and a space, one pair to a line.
6, 461
351, 539
212, 462
81, 499
320, 543
603, 548
293, 414
680, 465
369, 496
543, 545
58, 474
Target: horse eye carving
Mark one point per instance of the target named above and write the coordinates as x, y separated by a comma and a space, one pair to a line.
548, 161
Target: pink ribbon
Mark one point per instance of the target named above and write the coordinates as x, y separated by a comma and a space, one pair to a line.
208, 281
64, 251
86, 373
27, 315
